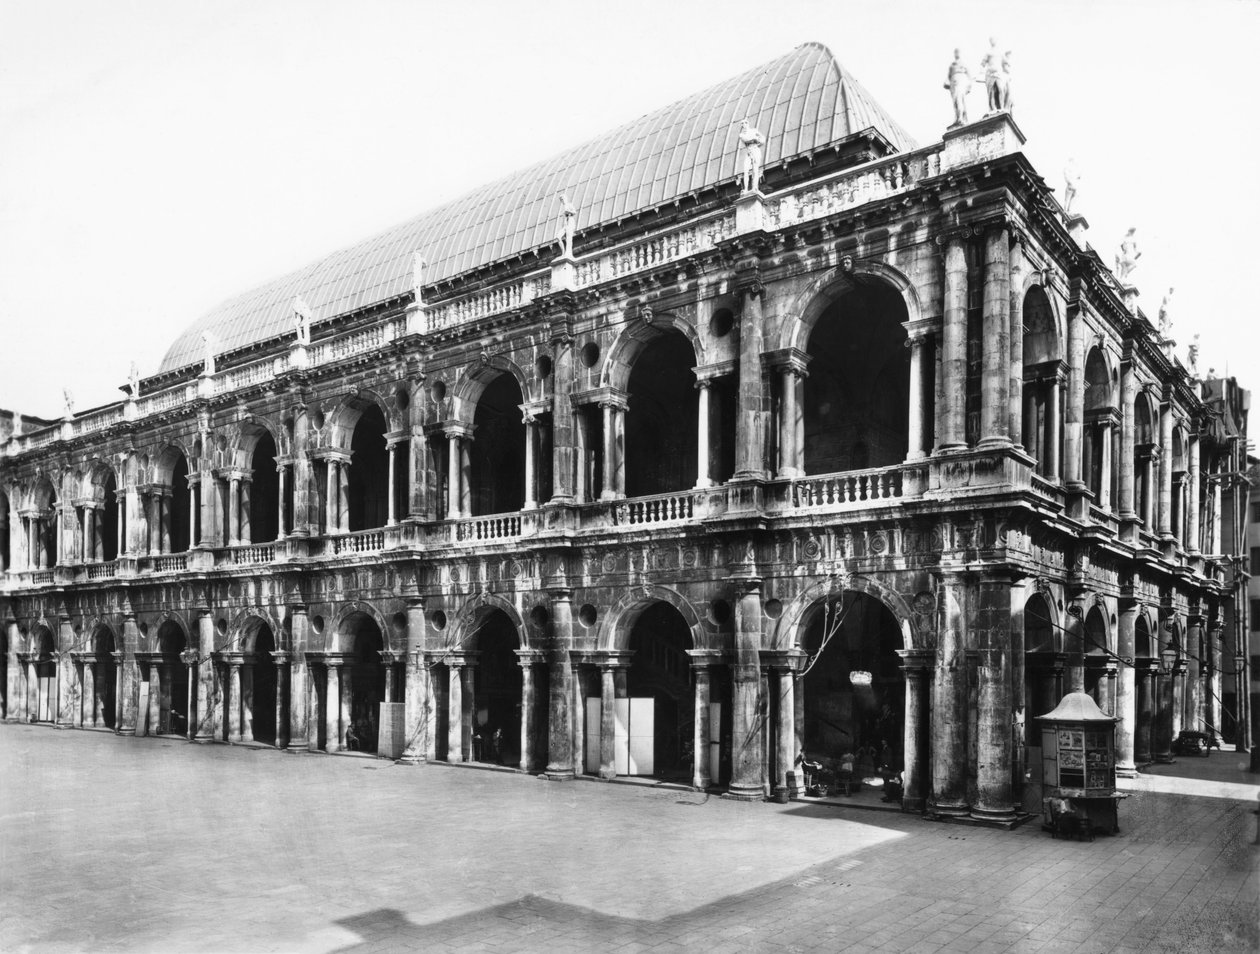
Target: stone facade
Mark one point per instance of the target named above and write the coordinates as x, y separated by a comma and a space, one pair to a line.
881, 461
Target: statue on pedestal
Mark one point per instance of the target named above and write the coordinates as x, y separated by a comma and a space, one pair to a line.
1071, 180
751, 139
1192, 357
302, 320
959, 83
1165, 315
69, 398
1127, 256
208, 343
133, 379
417, 276
997, 77
568, 224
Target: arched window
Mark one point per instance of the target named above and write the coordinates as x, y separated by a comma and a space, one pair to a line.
368, 476
1102, 437
497, 455
856, 398
1145, 461
660, 450
1043, 384
264, 492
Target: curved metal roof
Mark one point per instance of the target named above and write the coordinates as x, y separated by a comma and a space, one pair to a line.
800, 102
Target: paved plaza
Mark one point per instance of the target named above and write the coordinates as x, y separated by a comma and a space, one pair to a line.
116, 844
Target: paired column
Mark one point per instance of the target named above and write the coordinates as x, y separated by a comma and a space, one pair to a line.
284, 697
949, 729
995, 408
702, 434
234, 510
702, 770
1054, 394
1105, 463
614, 450
608, 719
282, 525
919, 424
566, 462
207, 728
531, 471
750, 431
561, 718
1192, 502
416, 678
917, 665
332, 706
1074, 432
747, 776
1126, 693
1165, 470
1016, 318
994, 794
527, 659
391, 517
954, 345
234, 702
455, 711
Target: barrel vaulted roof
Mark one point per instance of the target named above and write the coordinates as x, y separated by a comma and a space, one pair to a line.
800, 102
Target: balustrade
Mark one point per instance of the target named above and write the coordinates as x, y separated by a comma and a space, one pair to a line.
102, 571
504, 526
846, 489
853, 188
660, 509
251, 555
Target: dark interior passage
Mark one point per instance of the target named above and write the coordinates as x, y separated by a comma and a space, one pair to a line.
660, 450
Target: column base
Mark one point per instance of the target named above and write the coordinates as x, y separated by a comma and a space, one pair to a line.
413, 759
559, 775
994, 814
1126, 771
740, 794
606, 775
990, 443
914, 805
956, 810
1164, 760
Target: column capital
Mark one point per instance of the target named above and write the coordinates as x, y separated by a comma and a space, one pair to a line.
610, 660
917, 662
788, 359
706, 373
786, 659
707, 658
526, 658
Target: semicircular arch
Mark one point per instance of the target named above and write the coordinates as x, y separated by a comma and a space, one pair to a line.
632, 339
792, 624
614, 633
808, 305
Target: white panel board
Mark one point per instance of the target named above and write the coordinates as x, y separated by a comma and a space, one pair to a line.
594, 709
621, 736
642, 736
142, 711
715, 741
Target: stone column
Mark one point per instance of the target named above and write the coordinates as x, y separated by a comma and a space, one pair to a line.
391, 518
120, 541
1016, 334
204, 728
702, 434
994, 796
949, 728
701, 777
452, 476
1194, 677
607, 722
164, 519
416, 691
234, 702
786, 739
1054, 467
750, 436
1165, 471
1143, 742
995, 375
1073, 434
747, 703
1178, 697
346, 702
248, 712
562, 720
155, 697
917, 667
609, 491
1104, 470
332, 496
284, 698
531, 476
343, 497
332, 706
529, 714
86, 554
470, 708
566, 462
954, 345
1126, 693
619, 450
282, 530
918, 422
88, 707
455, 713
1192, 504
1162, 728
234, 511
193, 484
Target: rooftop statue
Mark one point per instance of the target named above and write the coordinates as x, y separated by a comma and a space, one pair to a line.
1071, 179
997, 79
1127, 256
207, 344
1192, 357
302, 316
417, 276
751, 139
959, 83
69, 397
568, 224
1165, 314
133, 379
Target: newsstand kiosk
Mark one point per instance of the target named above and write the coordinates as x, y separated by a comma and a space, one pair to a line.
1078, 758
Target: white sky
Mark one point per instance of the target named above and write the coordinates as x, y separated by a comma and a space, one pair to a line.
157, 157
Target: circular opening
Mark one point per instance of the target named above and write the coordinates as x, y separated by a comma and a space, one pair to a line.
774, 609
400, 623
402, 398
438, 619
317, 623
720, 611
221, 626
317, 418
437, 391
721, 323
543, 366
539, 615
590, 354
144, 628
587, 614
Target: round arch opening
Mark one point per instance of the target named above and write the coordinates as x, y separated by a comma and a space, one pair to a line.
497, 456
368, 480
363, 681
660, 443
168, 682
659, 709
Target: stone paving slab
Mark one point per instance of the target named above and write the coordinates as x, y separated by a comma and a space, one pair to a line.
115, 844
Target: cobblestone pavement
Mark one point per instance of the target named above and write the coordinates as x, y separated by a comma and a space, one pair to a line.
114, 844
